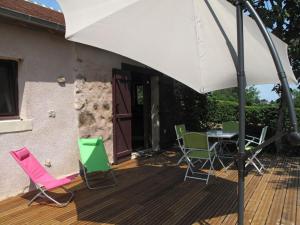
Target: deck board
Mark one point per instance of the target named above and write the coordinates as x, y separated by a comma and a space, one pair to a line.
152, 191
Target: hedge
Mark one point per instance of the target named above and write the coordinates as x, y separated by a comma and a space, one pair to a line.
257, 115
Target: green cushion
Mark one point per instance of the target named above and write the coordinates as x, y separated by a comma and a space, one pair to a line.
195, 140
200, 154
93, 155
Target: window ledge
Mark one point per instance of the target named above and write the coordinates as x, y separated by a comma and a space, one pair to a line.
9, 126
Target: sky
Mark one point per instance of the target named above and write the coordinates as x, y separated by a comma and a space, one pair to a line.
265, 90
49, 3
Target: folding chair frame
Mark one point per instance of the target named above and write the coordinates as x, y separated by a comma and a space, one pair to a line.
185, 154
190, 173
182, 149
42, 194
253, 160
85, 174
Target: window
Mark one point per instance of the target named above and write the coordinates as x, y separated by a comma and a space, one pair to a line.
8, 89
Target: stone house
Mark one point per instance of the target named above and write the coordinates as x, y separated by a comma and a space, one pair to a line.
53, 91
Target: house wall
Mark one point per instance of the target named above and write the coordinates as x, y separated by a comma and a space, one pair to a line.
59, 113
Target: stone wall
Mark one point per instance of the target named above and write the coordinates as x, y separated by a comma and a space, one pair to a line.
93, 101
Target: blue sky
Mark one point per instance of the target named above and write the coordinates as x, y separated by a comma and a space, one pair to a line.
265, 90
50, 3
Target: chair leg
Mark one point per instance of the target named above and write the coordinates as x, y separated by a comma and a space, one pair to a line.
260, 163
258, 169
43, 194
180, 160
99, 187
211, 168
34, 198
204, 164
221, 162
60, 204
251, 161
184, 157
187, 172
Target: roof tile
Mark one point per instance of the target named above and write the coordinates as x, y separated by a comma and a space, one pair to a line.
34, 10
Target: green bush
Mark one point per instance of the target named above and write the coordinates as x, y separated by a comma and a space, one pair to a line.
202, 112
257, 115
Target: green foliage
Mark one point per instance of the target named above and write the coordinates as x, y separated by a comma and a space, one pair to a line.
231, 95
252, 96
256, 115
282, 17
202, 112
296, 94
192, 108
220, 111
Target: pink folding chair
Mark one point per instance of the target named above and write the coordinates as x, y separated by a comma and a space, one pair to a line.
40, 177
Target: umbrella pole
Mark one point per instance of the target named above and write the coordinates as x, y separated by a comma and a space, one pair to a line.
241, 93
294, 136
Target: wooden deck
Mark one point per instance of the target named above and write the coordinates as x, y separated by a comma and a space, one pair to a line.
152, 192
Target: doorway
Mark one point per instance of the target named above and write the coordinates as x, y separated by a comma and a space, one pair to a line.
134, 111
141, 113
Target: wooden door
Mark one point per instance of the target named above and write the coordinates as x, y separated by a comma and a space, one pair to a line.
122, 114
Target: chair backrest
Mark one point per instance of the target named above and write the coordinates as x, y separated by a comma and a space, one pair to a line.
180, 130
263, 134
31, 166
93, 155
195, 140
230, 126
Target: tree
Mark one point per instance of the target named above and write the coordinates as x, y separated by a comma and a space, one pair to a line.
231, 95
282, 17
296, 94
252, 96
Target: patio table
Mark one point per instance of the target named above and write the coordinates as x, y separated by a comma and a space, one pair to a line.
220, 135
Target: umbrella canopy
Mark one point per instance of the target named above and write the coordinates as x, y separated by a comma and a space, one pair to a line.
192, 41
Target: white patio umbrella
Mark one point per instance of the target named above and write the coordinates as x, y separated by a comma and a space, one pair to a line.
192, 41
197, 42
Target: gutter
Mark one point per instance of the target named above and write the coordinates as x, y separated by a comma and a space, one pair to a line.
8, 13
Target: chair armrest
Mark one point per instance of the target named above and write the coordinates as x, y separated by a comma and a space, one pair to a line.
251, 142
252, 137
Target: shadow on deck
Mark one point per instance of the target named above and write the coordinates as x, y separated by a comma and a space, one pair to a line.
152, 191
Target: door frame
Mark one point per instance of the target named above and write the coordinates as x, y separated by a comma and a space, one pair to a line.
125, 67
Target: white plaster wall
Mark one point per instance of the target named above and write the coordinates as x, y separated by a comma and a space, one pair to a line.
46, 56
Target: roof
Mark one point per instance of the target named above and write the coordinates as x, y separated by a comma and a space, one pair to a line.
34, 10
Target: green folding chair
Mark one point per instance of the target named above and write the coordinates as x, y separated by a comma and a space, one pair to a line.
93, 158
198, 148
180, 131
253, 142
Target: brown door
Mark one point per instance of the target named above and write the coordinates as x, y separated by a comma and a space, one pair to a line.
122, 114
